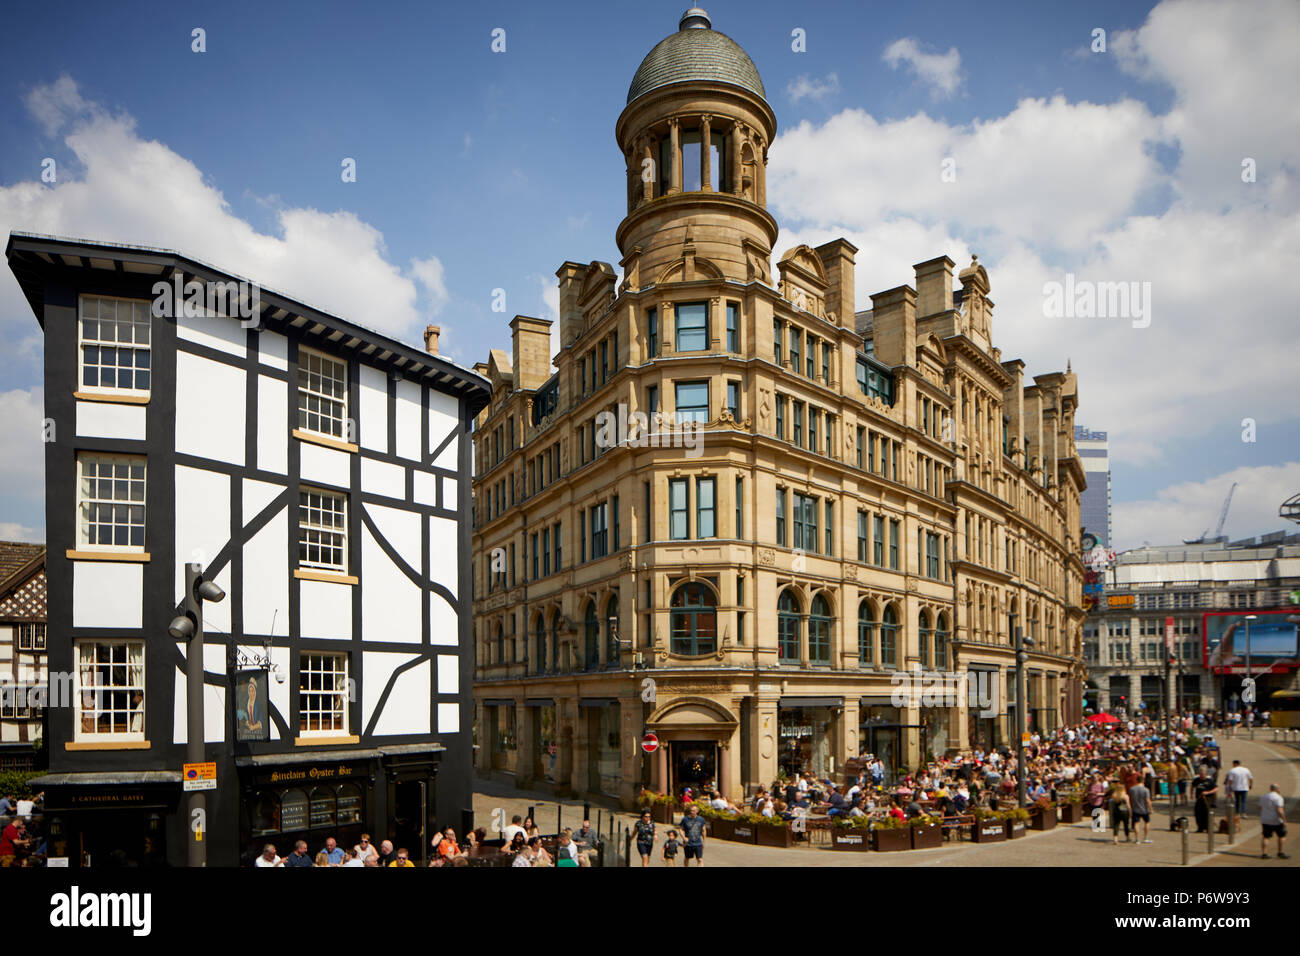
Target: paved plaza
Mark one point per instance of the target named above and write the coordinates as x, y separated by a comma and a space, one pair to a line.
1075, 845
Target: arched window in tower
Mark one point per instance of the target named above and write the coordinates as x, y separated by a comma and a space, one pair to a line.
693, 619
819, 631
591, 648
889, 637
787, 628
691, 163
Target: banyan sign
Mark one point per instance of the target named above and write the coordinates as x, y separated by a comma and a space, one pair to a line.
1120, 600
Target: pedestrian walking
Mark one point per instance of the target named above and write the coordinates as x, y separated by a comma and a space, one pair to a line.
1272, 817
671, 846
1204, 790
1139, 798
1119, 807
692, 827
645, 837
1238, 781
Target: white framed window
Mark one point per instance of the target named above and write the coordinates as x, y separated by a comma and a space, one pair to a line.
322, 695
110, 690
31, 637
113, 340
322, 530
322, 394
110, 502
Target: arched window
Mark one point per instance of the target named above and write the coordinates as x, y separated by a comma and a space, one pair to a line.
694, 620
539, 651
866, 634
349, 806
819, 631
501, 643
787, 628
323, 803
889, 637
611, 631
923, 637
591, 626
941, 643
555, 641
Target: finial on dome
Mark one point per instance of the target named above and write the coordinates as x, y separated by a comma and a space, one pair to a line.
695, 19
1067, 366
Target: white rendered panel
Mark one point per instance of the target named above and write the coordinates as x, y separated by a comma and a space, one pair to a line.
110, 420
383, 478
214, 701
444, 539
372, 415
407, 709
107, 594
444, 623
390, 601
401, 529
202, 530
218, 332
448, 719
273, 350
325, 610
444, 415
449, 486
317, 464
425, 489
448, 674
209, 409
266, 579
257, 495
272, 425
408, 420
448, 457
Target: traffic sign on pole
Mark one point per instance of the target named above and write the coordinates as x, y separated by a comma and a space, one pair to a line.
650, 743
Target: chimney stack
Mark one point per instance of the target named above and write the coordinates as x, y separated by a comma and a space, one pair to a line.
431, 333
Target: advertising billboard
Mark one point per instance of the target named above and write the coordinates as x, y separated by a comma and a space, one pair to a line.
1274, 641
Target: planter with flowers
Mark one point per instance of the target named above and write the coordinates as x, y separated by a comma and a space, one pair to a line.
990, 826
773, 831
1042, 815
1017, 821
851, 833
660, 805
890, 834
1071, 808
927, 832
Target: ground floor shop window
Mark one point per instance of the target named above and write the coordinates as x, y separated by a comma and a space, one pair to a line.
605, 760
805, 744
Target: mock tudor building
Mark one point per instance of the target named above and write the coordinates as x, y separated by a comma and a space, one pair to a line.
318, 472
794, 502
22, 652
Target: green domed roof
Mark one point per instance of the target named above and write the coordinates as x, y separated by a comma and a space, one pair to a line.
696, 52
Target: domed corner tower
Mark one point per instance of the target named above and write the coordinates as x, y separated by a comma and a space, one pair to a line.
695, 134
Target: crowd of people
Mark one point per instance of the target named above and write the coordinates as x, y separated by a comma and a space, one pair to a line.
522, 845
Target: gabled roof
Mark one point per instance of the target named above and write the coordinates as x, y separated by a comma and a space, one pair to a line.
36, 259
22, 581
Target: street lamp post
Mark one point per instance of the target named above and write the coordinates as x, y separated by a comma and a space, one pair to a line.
1249, 681
188, 626
1022, 656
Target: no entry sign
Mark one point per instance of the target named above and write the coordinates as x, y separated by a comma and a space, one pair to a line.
649, 743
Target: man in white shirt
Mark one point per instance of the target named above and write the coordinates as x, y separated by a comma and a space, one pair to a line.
268, 857
516, 826
1238, 782
1272, 817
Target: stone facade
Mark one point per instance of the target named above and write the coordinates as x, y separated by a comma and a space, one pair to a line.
797, 501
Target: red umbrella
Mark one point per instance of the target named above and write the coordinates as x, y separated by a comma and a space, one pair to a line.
1104, 718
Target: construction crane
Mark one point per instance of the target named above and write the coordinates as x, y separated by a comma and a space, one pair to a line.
1205, 538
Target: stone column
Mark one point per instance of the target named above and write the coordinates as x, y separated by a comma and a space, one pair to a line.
647, 152
849, 721
733, 148
525, 745
675, 161
706, 159
760, 171
660, 781
629, 717
727, 752
768, 736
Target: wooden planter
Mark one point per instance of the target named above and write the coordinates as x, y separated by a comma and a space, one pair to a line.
662, 813
850, 838
989, 831
1042, 819
721, 829
886, 841
1015, 828
1071, 813
743, 832
926, 837
774, 836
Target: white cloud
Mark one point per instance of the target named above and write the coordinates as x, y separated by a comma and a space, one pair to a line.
1186, 510
809, 87
549, 287
125, 188
939, 71
22, 463
432, 278
1055, 187
10, 531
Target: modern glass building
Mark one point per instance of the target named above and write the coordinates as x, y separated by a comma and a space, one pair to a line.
1095, 501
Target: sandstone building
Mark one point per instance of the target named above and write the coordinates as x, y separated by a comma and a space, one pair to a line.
819, 498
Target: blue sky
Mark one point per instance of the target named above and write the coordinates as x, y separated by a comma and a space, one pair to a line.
479, 170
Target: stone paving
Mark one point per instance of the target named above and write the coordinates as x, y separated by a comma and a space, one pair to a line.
1075, 845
